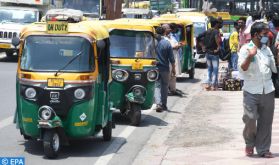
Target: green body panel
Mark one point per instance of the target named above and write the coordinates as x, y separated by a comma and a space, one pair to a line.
96, 110
187, 59
28, 110
73, 118
236, 17
118, 90
117, 94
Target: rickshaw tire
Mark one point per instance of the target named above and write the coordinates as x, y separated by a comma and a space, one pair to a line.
26, 137
135, 115
49, 151
107, 131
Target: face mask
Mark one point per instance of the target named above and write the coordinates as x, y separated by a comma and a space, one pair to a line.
264, 40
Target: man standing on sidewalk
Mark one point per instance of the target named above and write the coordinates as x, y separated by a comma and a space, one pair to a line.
165, 57
212, 44
256, 64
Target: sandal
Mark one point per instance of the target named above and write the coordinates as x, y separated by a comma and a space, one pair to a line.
267, 155
249, 151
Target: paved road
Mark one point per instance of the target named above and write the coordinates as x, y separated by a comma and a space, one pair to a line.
126, 143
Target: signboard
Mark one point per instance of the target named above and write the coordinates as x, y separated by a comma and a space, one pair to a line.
57, 27
161, 5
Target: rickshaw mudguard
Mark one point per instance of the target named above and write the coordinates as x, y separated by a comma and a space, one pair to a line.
50, 124
135, 99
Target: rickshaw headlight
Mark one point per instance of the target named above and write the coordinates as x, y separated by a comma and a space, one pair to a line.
152, 75
79, 93
120, 75
30, 93
45, 112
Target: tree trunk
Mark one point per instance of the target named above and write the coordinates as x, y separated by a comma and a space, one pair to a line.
113, 9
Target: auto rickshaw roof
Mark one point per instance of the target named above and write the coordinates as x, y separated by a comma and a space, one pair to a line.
194, 14
184, 22
94, 30
224, 15
129, 24
168, 16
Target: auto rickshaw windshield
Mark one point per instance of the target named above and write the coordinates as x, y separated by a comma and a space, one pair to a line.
199, 27
132, 44
51, 53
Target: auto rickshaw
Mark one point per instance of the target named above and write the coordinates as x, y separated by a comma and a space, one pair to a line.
62, 82
186, 62
132, 55
201, 24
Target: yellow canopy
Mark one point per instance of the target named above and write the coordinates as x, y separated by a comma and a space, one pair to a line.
184, 22
129, 24
94, 30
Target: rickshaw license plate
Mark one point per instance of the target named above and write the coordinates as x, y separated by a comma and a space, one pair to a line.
137, 66
55, 82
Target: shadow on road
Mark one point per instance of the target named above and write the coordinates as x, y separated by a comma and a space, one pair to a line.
9, 59
89, 147
187, 80
146, 120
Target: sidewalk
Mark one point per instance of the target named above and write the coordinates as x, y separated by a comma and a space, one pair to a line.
227, 152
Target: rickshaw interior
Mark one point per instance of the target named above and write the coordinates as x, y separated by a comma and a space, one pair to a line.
38, 52
134, 44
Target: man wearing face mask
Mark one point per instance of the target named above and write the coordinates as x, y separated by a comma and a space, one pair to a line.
256, 64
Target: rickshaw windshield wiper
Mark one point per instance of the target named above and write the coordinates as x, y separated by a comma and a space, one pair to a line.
68, 63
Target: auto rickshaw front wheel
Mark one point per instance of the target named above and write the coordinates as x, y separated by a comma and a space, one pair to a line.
107, 131
51, 143
135, 114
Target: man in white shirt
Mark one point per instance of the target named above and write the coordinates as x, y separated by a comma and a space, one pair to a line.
256, 64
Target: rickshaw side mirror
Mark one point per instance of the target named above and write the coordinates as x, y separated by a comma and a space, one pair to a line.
101, 44
15, 41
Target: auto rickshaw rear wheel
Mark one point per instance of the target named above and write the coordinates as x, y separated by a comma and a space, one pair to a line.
26, 137
135, 114
51, 143
107, 131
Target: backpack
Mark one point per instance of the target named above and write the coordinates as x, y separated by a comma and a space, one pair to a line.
226, 50
209, 40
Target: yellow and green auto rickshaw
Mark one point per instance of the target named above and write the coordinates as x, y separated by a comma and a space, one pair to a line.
185, 62
62, 82
132, 54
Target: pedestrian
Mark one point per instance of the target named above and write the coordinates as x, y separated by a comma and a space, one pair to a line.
256, 17
241, 35
233, 41
212, 47
173, 38
165, 57
269, 17
256, 64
